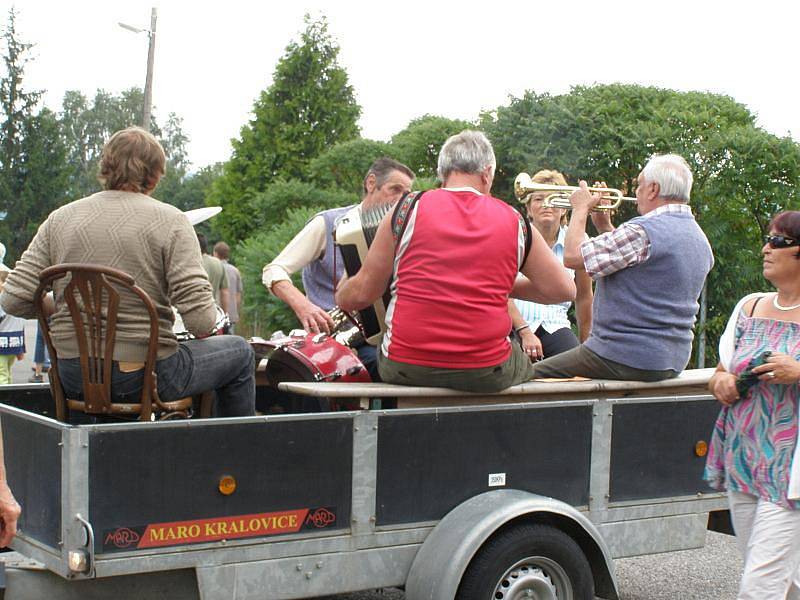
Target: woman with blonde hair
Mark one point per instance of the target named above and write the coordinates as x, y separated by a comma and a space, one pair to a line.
544, 330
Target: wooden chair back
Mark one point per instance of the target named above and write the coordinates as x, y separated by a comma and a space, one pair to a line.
92, 296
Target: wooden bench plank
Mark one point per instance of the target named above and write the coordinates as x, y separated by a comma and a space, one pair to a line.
690, 382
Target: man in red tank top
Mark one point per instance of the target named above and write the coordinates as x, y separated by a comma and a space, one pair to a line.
452, 267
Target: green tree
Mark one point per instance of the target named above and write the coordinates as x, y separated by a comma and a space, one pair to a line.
607, 132
273, 205
309, 107
41, 181
193, 189
174, 141
418, 145
86, 127
16, 103
345, 164
32, 178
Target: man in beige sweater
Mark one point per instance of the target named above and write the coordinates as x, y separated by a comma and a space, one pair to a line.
125, 228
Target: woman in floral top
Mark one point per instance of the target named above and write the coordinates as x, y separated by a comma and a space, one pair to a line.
755, 437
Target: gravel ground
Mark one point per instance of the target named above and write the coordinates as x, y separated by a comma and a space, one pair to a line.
709, 573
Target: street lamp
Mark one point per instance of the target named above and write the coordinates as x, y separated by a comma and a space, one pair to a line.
148, 84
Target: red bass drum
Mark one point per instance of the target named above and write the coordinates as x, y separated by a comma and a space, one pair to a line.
304, 356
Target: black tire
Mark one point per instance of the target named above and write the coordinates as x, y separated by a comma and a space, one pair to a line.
539, 558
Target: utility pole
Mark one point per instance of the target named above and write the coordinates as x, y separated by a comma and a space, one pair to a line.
151, 51
148, 84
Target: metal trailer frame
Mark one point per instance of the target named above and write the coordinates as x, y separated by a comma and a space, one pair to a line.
368, 551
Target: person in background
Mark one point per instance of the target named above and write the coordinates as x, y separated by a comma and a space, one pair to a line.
41, 359
12, 331
544, 329
753, 452
235, 287
216, 273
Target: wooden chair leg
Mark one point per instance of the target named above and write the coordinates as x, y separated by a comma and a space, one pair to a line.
206, 404
58, 395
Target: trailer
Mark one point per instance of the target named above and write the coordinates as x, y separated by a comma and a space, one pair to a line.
531, 492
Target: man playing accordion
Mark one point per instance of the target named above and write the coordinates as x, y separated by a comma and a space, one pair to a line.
313, 251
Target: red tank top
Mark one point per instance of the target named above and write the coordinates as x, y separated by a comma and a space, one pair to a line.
454, 268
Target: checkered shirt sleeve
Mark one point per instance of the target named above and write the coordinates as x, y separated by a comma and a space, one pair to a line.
610, 252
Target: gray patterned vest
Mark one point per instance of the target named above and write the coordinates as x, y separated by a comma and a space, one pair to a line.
318, 276
643, 315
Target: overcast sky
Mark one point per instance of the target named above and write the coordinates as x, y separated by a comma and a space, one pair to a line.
408, 58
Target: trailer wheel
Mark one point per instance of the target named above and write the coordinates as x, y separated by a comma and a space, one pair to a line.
530, 561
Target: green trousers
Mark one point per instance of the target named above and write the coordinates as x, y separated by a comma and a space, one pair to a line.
582, 362
516, 369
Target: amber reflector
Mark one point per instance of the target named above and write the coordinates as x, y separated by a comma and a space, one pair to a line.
701, 448
227, 485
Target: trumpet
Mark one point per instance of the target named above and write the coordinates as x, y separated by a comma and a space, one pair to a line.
558, 196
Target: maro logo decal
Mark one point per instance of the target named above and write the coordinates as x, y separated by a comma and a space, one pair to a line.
320, 518
122, 538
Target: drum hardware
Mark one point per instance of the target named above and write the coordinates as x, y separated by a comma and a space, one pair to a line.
352, 371
558, 196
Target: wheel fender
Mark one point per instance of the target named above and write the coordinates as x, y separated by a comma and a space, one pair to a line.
445, 554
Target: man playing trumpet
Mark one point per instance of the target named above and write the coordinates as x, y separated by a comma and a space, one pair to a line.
648, 272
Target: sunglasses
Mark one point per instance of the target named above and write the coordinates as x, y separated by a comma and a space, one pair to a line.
780, 241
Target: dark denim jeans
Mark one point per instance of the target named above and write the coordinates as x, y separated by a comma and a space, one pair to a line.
224, 363
368, 355
40, 355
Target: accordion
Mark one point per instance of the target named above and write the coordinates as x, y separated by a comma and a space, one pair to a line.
353, 235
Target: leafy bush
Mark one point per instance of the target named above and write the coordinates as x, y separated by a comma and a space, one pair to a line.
344, 166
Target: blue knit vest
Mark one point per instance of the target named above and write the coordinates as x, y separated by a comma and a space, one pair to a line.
643, 315
318, 276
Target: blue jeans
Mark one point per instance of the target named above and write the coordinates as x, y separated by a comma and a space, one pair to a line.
40, 356
223, 363
368, 355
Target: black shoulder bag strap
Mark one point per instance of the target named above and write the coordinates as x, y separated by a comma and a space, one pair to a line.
528, 233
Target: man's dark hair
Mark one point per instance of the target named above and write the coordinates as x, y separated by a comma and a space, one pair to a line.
201, 239
382, 168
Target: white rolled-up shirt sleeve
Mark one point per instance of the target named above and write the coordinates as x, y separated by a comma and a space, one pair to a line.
307, 246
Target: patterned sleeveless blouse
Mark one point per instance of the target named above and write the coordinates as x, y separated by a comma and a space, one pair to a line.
753, 443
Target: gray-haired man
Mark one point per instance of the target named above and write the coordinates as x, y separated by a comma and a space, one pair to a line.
649, 273
452, 268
